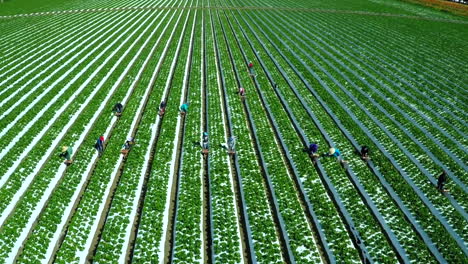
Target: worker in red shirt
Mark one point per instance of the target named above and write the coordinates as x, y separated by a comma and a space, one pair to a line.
251, 70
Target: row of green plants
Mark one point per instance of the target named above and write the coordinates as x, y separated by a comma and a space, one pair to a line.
334, 70
421, 35
20, 8
431, 38
290, 207
407, 87
437, 151
45, 181
359, 169
419, 66
422, 39
115, 235
189, 237
266, 243
334, 171
21, 54
226, 232
151, 230
45, 109
420, 131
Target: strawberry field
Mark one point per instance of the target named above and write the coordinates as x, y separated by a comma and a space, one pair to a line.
389, 75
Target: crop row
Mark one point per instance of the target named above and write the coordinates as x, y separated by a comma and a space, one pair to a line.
70, 108
418, 43
43, 77
265, 242
189, 228
270, 202
422, 59
288, 204
120, 219
154, 216
290, 190
274, 108
226, 229
47, 34
377, 194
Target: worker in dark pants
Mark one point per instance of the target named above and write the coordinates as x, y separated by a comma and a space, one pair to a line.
242, 93
126, 146
313, 148
100, 145
118, 107
365, 153
67, 153
162, 108
441, 180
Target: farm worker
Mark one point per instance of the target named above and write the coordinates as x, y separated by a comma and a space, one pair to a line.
441, 180
118, 108
184, 108
242, 91
251, 70
100, 145
365, 152
332, 152
66, 153
126, 145
205, 140
232, 143
131, 140
162, 107
313, 148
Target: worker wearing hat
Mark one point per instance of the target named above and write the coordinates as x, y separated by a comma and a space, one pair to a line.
333, 152
184, 108
66, 153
